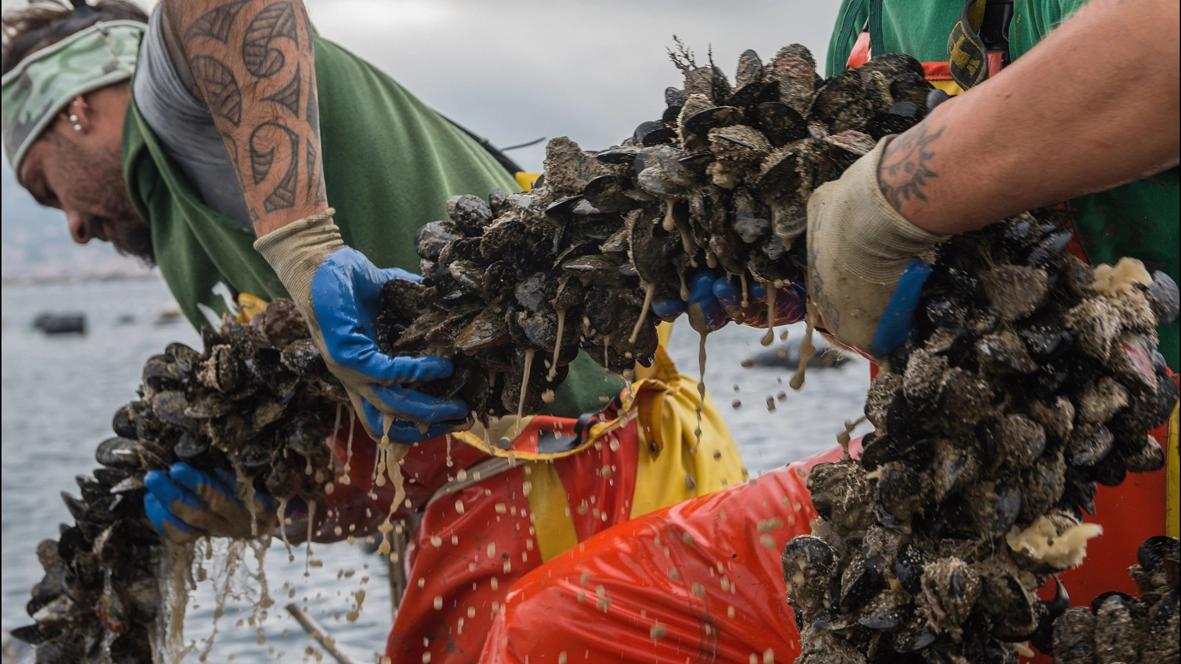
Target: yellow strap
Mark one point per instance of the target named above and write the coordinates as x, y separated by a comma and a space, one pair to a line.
950, 87
1173, 477
525, 180
552, 524
685, 468
249, 306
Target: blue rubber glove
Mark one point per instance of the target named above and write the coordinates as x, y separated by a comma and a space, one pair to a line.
714, 301
894, 327
185, 503
791, 303
337, 289
705, 312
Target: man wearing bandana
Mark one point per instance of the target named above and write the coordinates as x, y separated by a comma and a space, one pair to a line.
228, 143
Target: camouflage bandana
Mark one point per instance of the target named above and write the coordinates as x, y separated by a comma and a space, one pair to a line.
44, 82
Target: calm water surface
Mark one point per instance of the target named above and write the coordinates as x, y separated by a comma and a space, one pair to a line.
59, 395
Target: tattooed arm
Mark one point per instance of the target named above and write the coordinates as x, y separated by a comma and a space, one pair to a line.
252, 63
1093, 106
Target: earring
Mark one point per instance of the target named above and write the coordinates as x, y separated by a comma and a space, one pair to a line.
77, 127
73, 118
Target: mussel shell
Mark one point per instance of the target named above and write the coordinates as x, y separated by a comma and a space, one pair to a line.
170, 406
1155, 552
190, 448
915, 637
1045, 333
118, 453
471, 214
302, 356
160, 372
536, 291
487, 330
861, 579
886, 448
1164, 298
110, 476
430, 238
1110, 471
780, 123
208, 405
280, 323
908, 567
595, 270
701, 122
41, 633
618, 155
1012, 608
285, 478
653, 133
901, 490
122, 423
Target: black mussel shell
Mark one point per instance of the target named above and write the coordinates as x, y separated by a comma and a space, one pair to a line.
886, 448
908, 568
190, 448
618, 155
122, 424
430, 238
118, 453
1156, 552
303, 357
1164, 298
280, 323
674, 96
1111, 471
701, 122
653, 133
498, 200
862, 579
471, 214
161, 373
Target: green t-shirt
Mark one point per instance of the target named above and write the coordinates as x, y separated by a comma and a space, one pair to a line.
1140, 219
390, 164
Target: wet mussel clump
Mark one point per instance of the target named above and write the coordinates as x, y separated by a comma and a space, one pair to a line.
1120, 628
1029, 379
516, 285
257, 401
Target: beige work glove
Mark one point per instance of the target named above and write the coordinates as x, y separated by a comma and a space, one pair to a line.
858, 249
338, 291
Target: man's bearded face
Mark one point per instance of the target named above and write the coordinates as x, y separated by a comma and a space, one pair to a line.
84, 179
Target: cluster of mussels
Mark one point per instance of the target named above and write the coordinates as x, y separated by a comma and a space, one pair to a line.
721, 181
1122, 628
258, 401
1029, 378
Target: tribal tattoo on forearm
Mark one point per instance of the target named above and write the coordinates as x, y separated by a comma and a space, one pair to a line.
254, 64
905, 170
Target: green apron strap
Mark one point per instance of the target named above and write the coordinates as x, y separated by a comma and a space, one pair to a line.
840, 48
876, 38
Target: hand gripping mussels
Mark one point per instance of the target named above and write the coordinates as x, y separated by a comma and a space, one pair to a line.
721, 182
1028, 379
258, 401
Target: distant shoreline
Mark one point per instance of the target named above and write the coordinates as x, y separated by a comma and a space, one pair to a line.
52, 280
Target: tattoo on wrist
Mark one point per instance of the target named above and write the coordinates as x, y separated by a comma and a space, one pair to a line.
905, 169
